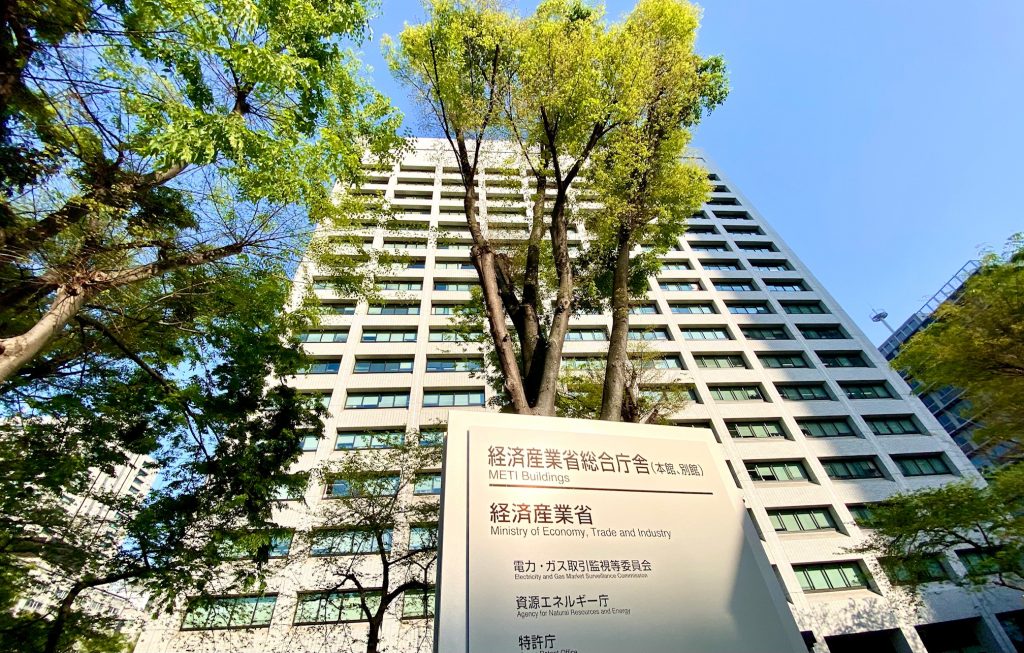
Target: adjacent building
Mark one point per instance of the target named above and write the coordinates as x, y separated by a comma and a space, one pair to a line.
947, 404
814, 424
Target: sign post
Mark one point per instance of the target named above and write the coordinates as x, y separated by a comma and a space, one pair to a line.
576, 536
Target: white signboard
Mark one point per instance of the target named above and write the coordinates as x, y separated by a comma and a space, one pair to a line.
573, 536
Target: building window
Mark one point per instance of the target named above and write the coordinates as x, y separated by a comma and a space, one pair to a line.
757, 247
739, 285
719, 361
981, 562
832, 427
804, 392
696, 308
928, 569
785, 286
707, 333
826, 332
831, 577
322, 367
765, 333
400, 285
802, 520
866, 390
375, 486
582, 363
309, 441
229, 612
729, 265
861, 513
422, 537
418, 604
664, 363
454, 336
578, 335
443, 309
393, 309
432, 437
680, 286
383, 366
772, 266
851, 468
376, 439
337, 308
453, 265
736, 393
454, 364
415, 264
709, 247
237, 547
671, 266
377, 400
437, 398
743, 230
782, 360
933, 464
348, 541
643, 309
659, 333
323, 336
427, 483
384, 335
892, 425
328, 283
804, 308
454, 286
758, 429
758, 308
777, 470
843, 359
334, 607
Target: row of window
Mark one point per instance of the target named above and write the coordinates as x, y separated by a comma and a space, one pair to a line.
370, 334
396, 365
733, 285
803, 391
866, 467
311, 608
381, 485
373, 439
400, 399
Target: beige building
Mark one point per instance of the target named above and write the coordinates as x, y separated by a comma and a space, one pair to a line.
812, 421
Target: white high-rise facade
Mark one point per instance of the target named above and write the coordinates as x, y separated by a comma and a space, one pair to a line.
814, 424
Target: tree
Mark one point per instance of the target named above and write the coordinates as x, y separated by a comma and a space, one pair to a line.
912, 532
140, 139
976, 343
198, 401
384, 510
651, 394
559, 84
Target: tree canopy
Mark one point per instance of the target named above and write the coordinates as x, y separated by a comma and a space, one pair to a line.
976, 343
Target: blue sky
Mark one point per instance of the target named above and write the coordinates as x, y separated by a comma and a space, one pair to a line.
881, 139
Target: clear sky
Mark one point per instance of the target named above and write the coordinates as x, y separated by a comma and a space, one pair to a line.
882, 139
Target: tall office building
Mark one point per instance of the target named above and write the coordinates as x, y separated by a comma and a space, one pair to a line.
813, 423
948, 404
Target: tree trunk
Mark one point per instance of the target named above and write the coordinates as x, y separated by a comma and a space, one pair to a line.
60, 620
534, 348
373, 635
19, 350
615, 363
562, 310
486, 268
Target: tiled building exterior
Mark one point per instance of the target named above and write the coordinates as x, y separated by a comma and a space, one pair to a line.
813, 422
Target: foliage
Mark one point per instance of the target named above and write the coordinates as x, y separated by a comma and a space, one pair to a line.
162, 165
652, 394
908, 530
560, 84
976, 343
141, 138
375, 518
222, 437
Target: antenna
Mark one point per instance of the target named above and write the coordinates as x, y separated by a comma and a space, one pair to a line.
879, 316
